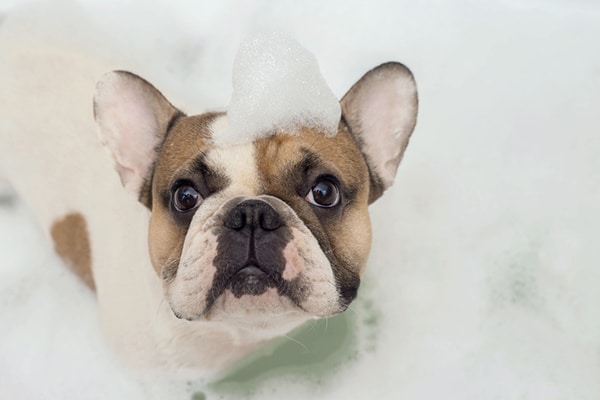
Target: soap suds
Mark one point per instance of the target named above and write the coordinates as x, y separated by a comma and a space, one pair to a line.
277, 88
485, 255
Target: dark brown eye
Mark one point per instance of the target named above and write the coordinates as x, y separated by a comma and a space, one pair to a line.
324, 193
186, 197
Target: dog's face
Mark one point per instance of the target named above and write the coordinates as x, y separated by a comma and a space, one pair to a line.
266, 227
263, 233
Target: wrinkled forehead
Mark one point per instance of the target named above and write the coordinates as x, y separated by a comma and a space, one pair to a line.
253, 166
184, 149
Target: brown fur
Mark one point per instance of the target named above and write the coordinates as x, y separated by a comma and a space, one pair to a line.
72, 244
349, 235
187, 138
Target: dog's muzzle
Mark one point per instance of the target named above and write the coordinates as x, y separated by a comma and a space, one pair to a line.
250, 251
254, 222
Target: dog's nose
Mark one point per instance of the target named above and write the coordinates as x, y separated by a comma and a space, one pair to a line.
255, 214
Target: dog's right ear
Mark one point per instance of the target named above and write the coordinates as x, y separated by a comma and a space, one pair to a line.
133, 118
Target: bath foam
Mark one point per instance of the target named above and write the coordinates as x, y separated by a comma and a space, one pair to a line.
277, 88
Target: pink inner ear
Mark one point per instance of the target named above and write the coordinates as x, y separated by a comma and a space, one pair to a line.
128, 112
128, 133
387, 120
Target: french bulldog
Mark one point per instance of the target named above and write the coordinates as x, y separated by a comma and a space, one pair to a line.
221, 247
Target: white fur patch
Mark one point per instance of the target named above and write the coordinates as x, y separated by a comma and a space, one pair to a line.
310, 263
239, 165
187, 293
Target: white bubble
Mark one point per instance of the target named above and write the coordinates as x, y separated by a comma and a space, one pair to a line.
277, 87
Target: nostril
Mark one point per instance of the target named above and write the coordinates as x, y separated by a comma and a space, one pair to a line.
236, 220
255, 214
270, 220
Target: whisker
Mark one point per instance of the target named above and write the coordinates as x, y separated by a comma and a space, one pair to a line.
160, 305
297, 342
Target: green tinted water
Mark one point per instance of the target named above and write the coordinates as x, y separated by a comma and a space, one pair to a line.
312, 354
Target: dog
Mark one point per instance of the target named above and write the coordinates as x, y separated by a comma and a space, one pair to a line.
198, 253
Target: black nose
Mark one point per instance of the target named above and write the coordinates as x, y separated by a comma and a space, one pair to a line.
253, 214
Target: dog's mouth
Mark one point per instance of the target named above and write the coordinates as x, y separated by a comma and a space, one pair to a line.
251, 279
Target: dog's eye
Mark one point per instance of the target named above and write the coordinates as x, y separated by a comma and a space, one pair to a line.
324, 193
186, 197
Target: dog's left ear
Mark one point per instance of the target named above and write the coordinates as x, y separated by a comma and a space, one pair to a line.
381, 112
133, 118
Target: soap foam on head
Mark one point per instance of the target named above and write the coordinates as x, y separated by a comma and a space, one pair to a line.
277, 88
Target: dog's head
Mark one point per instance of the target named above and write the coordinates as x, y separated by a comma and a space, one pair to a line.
266, 233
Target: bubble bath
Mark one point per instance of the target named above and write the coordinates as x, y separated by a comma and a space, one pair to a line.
483, 277
277, 88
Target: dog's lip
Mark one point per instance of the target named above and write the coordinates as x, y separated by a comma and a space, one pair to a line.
253, 269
